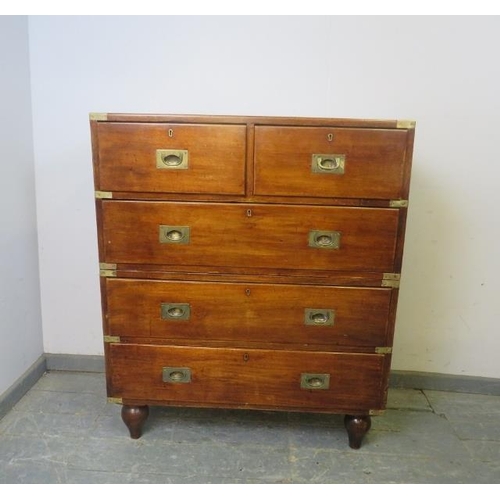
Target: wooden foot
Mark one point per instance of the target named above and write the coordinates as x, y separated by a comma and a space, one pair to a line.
357, 426
134, 417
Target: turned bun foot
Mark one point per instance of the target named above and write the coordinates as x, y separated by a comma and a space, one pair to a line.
134, 418
357, 426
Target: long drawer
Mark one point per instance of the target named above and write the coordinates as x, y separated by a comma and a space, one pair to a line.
298, 314
246, 378
171, 158
329, 162
250, 235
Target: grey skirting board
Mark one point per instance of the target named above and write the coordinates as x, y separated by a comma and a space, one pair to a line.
22, 385
443, 382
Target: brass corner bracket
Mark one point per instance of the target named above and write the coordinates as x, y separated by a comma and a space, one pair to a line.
383, 350
98, 117
376, 412
398, 203
110, 339
391, 280
103, 195
405, 124
107, 270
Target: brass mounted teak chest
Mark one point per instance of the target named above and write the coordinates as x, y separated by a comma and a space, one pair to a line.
250, 262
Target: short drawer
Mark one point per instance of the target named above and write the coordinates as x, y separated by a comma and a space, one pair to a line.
299, 314
250, 236
170, 158
246, 378
329, 162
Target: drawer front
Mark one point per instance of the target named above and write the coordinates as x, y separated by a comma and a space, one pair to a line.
171, 158
247, 312
244, 378
250, 236
329, 162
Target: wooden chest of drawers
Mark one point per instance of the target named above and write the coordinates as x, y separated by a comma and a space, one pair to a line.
250, 262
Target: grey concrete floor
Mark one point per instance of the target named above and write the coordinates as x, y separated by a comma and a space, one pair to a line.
64, 431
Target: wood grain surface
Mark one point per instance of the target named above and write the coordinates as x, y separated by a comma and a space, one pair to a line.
252, 377
126, 158
374, 160
242, 235
241, 312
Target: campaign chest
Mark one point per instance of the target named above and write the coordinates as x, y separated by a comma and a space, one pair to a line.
250, 262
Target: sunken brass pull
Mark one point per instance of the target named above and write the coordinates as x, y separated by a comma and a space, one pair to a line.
175, 312
178, 235
319, 317
329, 240
176, 375
328, 164
314, 380
173, 159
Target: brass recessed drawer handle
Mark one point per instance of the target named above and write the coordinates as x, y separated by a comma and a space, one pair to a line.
173, 159
329, 240
175, 311
176, 375
328, 164
319, 317
179, 235
314, 380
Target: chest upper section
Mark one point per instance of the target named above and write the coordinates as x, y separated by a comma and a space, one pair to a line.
252, 157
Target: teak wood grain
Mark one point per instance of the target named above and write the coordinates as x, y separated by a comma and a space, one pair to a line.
249, 377
250, 275
252, 312
373, 162
126, 158
241, 235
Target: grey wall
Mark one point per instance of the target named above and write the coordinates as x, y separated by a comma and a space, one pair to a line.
21, 341
441, 71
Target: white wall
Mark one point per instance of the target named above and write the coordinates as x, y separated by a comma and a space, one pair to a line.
443, 72
20, 317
